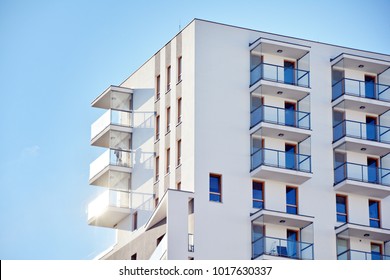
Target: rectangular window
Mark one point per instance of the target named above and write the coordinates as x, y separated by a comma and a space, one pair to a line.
157, 168
178, 152
376, 251
169, 78
179, 110
135, 220
156, 201
168, 162
168, 119
258, 194
374, 209
178, 186
215, 187
179, 69
157, 127
158, 87
341, 208
134, 257
292, 200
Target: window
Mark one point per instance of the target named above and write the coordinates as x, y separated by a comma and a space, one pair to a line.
257, 194
135, 220
178, 152
156, 201
168, 161
374, 209
376, 251
168, 119
341, 208
169, 78
292, 200
158, 88
179, 110
178, 186
157, 127
179, 69
134, 257
157, 168
215, 188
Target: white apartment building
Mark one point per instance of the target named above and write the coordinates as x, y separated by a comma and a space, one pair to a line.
232, 143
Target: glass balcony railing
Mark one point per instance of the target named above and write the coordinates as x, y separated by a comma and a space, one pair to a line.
110, 157
110, 198
283, 248
111, 117
362, 173
280, 74
361, 89
360, 255
361, 130
280, 116
286, 160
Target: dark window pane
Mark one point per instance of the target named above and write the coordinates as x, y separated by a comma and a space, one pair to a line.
257, 204
373, 206
374, 223
214, 184
257, 190
341, 204
342, 218
292, 210
215, 197
291, 196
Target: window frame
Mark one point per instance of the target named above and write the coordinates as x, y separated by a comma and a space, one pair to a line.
219, 193
157, 127
296, 200
179, 68
179, 110
168, 119
262, 194
168, 161
346, 209
157, 167
378, 220
169, 78
158, 87
178, 159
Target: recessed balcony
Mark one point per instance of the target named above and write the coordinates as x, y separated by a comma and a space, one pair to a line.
267, 247
362, 137
109, 208
280, 74
111, 129
112, 169
282, 218
279, 122
281, 166
362, 95
362, 179
348, 230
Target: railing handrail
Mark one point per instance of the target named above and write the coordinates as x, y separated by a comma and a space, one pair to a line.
351, 121
361, 165
279, 108
278, 151
358, 251
278, 66
283, 239
360, 81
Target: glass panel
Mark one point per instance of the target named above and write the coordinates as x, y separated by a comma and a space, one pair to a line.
290, 156
341, 204
258, 204
257, 190
369, 86
371, 128
289, 114
372, 170
292, 238
289, 72
215, 197
214, 184
376, 251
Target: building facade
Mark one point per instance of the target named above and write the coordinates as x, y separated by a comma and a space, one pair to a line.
231, 143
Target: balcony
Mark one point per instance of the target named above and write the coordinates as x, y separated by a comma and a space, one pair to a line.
348, 230
282, 248
361, 95
360, 255
362, 179
265, 216
281, 166
112, 169
280, 74
114, 97
362, 137
112, 128
295, 125
109, 208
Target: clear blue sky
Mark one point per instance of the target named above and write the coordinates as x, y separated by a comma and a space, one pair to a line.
57, 56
